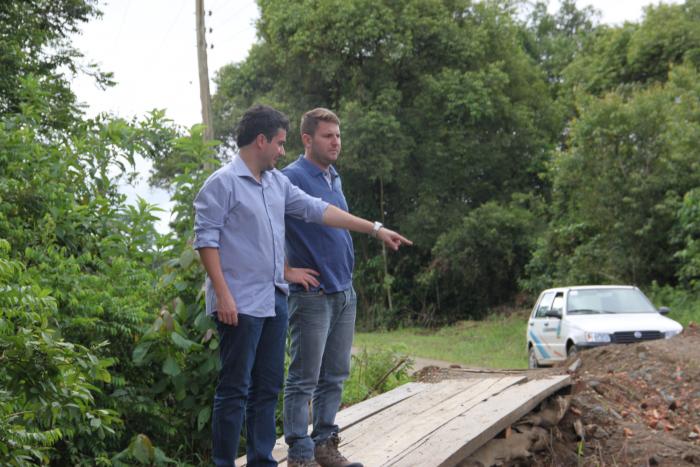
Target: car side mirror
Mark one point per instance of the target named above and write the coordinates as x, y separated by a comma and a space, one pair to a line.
664, 310
553, 314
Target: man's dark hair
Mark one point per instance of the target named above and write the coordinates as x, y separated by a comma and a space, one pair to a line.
260, 119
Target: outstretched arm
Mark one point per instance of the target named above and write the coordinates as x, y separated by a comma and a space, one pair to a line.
335, 217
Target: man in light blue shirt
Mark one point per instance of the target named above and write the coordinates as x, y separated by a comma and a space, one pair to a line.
240, 235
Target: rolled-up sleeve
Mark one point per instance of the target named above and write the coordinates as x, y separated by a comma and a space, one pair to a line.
211, 206
302, 206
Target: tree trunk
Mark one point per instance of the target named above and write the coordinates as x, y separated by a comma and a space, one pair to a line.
386, 284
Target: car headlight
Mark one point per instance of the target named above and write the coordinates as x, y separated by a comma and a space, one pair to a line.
669, 334
597, 337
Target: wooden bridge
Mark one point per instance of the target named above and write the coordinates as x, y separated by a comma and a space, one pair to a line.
440, 424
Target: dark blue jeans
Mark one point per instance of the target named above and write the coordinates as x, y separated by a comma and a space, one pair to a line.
251, 377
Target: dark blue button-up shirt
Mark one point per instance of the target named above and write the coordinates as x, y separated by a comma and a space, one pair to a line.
244, 219
328, 250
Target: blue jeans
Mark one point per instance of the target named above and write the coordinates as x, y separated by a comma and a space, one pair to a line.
251, 377
321, 327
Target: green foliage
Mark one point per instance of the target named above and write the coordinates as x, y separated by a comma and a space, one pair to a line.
684, 304
477, 264
94, 264
639, 53
179, 352
49, 385
142, 452
374, 372
619, 186
186, 155
35, 42
555, 40
689, 238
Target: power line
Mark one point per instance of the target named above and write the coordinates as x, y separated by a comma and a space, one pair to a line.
239, 10
121, 25
172, 23
157, 56
236, 32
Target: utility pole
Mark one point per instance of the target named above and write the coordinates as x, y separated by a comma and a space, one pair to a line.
204, 95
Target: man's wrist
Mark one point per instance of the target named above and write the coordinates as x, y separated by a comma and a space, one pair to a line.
375, 228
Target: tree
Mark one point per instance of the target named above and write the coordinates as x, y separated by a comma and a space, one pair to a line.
639, 53
618, 187
555, 40
35, 41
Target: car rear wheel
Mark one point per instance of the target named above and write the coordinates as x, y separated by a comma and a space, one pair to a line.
532, 358
571, 350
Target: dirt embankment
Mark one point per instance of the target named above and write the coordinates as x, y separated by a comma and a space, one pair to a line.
631, 405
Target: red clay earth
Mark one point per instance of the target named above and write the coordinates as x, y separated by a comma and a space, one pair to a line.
638, 405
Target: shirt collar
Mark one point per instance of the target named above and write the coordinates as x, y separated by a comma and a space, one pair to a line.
241, 169
313, 169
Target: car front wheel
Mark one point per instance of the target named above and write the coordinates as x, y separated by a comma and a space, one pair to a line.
571, 351
532, 358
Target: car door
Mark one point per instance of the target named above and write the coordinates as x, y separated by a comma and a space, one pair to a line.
539, 328
555, 329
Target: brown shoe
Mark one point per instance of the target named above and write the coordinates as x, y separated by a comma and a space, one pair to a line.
327, 454
302, 463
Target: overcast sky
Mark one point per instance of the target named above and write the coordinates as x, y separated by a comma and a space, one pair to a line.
150, 46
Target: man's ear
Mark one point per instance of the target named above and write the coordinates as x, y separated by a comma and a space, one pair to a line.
260, 141
306, 139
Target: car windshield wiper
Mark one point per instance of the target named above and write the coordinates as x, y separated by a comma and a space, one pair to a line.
626, 312
584, 310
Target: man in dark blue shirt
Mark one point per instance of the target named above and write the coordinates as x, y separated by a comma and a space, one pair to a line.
322, 308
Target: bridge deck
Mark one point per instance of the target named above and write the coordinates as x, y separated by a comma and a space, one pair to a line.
422, 424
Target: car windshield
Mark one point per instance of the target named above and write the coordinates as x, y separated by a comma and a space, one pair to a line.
594, 301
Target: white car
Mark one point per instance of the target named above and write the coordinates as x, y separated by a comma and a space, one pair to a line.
567, 319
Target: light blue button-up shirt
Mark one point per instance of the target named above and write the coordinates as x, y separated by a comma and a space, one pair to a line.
244, 219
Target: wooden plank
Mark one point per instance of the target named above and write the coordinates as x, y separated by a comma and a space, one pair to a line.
378, 446
466, 433
360, 411
390, 417
385, 422
354, 414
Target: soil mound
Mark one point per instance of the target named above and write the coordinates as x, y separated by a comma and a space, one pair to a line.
636, 404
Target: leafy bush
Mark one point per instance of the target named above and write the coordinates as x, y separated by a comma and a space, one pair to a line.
477, 263
684, 304
689, 239
375, 372
49, 385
